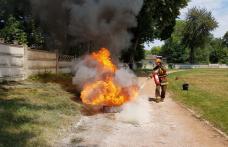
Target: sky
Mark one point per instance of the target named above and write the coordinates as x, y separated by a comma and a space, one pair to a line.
219, 9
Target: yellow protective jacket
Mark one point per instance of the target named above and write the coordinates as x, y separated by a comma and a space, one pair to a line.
162, 74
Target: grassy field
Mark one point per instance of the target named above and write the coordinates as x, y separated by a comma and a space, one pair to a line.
148, 72
35, 112
208, 93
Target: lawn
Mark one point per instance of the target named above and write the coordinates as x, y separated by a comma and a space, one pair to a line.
36, 112
208, 93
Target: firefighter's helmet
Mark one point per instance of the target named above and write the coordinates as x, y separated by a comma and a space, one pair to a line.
158, 60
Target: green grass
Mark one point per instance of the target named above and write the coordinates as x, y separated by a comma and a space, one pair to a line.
33, 112
208, 93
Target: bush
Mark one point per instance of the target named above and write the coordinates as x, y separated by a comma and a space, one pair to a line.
13, 31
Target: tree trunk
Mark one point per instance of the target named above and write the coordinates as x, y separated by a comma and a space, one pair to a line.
132, 60
192, 56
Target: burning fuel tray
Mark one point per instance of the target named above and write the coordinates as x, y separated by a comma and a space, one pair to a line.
112, 109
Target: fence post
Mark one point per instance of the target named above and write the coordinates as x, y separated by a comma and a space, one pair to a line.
25, 64
57, 61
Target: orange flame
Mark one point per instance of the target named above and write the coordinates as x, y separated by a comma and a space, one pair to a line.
103, 57
106, 91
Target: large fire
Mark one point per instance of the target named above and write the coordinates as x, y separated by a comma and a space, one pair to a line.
105, 91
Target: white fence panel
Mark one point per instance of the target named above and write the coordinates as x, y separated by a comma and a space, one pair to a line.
11, 62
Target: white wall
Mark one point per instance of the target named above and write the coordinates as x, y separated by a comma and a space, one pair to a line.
11, 62
39, 61
18, 62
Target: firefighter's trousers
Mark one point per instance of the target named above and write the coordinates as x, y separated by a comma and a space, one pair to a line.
160, 91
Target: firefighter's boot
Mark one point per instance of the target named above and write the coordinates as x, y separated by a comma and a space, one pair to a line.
157, 100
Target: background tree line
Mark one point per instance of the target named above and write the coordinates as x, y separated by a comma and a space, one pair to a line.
192, 41
155, 21
18, 25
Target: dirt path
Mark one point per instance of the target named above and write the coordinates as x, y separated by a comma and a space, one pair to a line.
144, 124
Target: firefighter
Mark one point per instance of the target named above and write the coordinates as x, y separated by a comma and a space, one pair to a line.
161, 86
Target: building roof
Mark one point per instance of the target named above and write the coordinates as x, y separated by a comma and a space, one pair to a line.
151, 57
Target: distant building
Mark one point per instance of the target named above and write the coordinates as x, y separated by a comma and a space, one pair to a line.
149, 61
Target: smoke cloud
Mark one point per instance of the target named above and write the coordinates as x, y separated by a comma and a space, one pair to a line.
136, 112
86, 70
98, 23
101, 23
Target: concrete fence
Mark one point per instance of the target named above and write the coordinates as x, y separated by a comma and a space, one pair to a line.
19, 62
12, 62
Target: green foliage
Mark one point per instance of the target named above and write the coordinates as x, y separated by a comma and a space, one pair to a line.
177, 35
173, 50
155, 50
199, 24
219, 53
13, 31
224, 58
139, 53
156, 20
191, 39
17, 23
225, 39
202, 55
35, 36
147, 52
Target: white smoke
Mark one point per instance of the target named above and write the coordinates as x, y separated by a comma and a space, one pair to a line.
88, 70
102, 23
125, 77
83, 74
136, 112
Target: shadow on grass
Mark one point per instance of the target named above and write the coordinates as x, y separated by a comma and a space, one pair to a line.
12, 122
65, 80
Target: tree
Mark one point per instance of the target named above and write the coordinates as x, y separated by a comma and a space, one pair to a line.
18, 24
155, 50
224, 51
13, 31
139, 54
224, 58
225, 39
35, 34
219, 52
202, 55
199, 24
173, 50
156, 20
147, 52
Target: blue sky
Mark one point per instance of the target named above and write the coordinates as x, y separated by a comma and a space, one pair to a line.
219, 9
